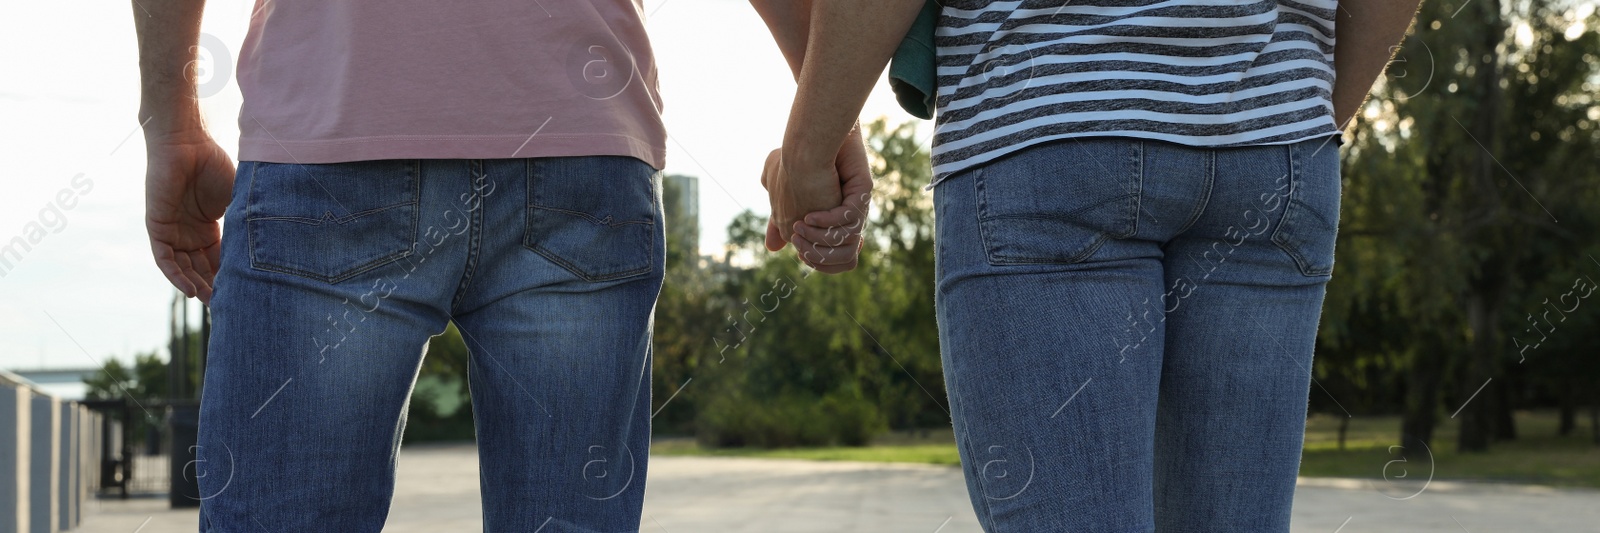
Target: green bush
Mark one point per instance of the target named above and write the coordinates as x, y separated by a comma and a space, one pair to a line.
840, 418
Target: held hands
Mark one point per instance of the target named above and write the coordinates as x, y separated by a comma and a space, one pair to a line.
188, 183
820, 207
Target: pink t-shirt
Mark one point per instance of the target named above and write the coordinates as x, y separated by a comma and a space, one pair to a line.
327, 81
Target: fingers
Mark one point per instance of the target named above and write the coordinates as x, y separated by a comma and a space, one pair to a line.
211, 280
205, 269
770, 166
833, 199
771, 180
213, 256
830, 237
828, 259
795, 204
848, 215
192, 273
775, 241
829, 250
200, 286
830, 241
166, 260
853, 167
784, 226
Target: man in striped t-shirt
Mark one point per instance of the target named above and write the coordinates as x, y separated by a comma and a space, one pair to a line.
1136, 204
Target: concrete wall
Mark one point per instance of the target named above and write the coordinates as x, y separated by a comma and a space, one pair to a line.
67, 466
44, 464
49, 459
14, 429
92, 426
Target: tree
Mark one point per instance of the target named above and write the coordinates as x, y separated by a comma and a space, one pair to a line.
112, 381
1472, 182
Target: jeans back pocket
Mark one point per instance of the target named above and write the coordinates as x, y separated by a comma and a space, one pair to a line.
330, 222
1310, 223
1058, 202
594, 216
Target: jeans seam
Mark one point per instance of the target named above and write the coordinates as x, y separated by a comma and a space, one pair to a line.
474, 239
606, 222
1205, 194
1288, 200
1136, 192
977, 216
339, 220
249, 201
250, 239
983, 491
994, 259
530, 208
1281, 239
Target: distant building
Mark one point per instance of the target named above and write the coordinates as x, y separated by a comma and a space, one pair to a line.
64, 382
681, 196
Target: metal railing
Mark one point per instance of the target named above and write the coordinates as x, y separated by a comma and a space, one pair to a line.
150, 474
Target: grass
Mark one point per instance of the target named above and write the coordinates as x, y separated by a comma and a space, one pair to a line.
933, 446
1537, 456
937, 454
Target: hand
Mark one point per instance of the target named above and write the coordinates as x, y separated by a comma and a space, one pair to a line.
795, 189
830, 241
188, 184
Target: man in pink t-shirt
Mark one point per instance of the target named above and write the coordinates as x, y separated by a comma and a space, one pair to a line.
403, 166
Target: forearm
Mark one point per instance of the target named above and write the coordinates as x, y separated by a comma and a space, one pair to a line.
849, 43
790, 24
1366, 32
169, 35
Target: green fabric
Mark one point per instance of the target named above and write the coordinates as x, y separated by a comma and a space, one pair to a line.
911, 71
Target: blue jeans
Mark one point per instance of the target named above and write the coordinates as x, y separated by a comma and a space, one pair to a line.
1127, 329
334, 276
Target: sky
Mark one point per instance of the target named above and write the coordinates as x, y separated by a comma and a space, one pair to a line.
74, 157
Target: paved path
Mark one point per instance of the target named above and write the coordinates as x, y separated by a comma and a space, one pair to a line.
438, 492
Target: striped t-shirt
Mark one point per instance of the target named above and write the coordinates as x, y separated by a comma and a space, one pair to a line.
1211, 73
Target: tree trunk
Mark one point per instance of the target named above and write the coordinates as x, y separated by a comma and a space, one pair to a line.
1569, 411
1422, 397
1594, 415
1505, 421
1485, 288
1594, 421
1474, 400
